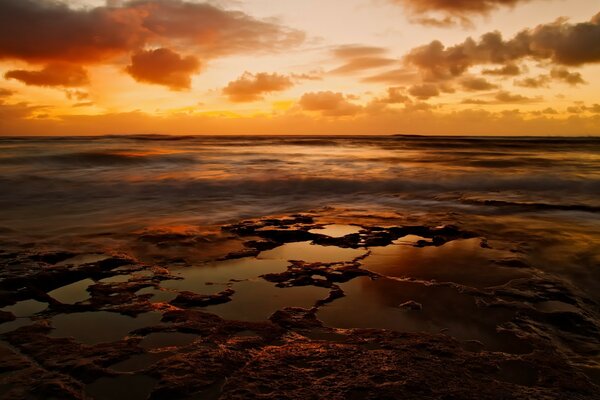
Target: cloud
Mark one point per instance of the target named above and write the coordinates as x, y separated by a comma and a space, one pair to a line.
363, 63
43, 31
456, 6
163, 67
474, 83
559, 74
594, 109
357, 58
250, 87
533, 83
6, 92
55, 74
395, 95
572, 78
559, 42
453, 12
507, 97
395, 76
329, 104
355, 51
506, 70
424, 91
502, 97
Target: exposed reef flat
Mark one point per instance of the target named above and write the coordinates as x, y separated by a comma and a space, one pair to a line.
336, 304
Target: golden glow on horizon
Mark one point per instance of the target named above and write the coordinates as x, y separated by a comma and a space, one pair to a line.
289, 67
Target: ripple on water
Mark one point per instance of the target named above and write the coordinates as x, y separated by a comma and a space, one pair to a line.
100, 326
72, 293
311, 253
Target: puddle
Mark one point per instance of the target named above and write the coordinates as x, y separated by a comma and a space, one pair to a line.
257, 300
158, 296
72, 293
167, 339
139, 362
116, 279
26, 308
83, 259
553, 306
410, 240
375, 304
459, 261
100, 326
311, 253
337, 230
123, 387
15, 324
195, 279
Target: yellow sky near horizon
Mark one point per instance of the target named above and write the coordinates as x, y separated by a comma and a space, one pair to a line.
300, 67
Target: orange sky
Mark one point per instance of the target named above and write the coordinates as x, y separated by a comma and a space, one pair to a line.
506, 67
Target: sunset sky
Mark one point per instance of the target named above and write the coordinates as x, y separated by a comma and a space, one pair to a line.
83, 67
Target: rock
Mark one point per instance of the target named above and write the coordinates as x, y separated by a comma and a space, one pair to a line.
411, 305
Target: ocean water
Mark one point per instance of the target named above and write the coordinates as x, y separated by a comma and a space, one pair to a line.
46, 180
100, 190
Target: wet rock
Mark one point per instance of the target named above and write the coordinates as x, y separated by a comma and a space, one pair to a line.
296, 318
411, 305
53, 258
190, 299
6, 316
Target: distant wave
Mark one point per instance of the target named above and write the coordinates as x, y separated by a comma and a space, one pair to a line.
96, 158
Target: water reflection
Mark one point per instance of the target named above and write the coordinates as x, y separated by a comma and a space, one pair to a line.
376, 304
257, 300
460, 261
72, 293
99, 326
305, 251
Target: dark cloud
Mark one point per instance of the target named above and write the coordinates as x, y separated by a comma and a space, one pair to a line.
457, 6
533, 83
251, 87
6, 92
562, 74
424, 91
474, 83
506, 70
454, 12
163, 67
47, 31
329, 104
396, 95
559, 74
507, 97
55, 74
560, 42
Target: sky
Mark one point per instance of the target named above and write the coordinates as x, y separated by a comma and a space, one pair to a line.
432, 67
